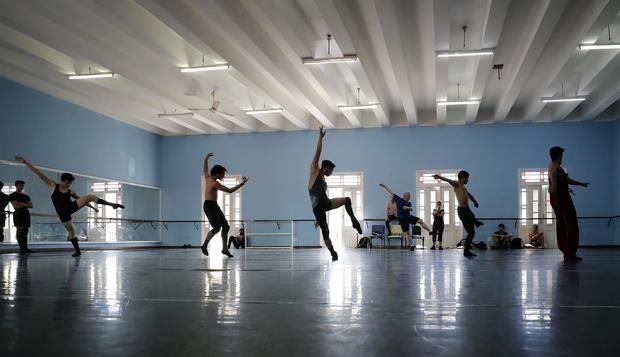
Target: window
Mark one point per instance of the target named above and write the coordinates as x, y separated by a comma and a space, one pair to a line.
430, 190
9, 232
111, 192
534, 199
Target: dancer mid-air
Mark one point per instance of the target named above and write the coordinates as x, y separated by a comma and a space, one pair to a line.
212, 210
321, 204
64, 205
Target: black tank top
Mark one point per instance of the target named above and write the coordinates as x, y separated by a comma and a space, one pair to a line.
318, 191
61, 200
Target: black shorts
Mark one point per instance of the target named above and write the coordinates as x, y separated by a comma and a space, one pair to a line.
64, 213
320, 212
214, 214
405, 222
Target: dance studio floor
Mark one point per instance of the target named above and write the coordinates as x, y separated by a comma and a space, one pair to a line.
299, 303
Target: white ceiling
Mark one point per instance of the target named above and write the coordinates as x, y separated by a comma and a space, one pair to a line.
145, 41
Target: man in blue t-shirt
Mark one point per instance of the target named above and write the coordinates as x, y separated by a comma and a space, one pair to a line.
403, 212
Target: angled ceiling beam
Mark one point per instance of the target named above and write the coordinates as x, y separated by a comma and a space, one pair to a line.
523, 39
348, 32
390, 28
441, 25
577, 20
495, 15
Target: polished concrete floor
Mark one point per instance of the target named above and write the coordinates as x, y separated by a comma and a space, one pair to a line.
299, 303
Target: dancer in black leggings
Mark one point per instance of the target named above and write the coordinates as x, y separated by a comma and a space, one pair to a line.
438, 225
4, 201
321, 204
67, 202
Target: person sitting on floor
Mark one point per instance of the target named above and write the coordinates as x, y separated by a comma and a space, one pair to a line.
501, 238
537, 238
239, 240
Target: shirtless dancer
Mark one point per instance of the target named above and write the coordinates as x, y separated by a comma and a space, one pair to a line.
64, 205
321, 204
567, 227
466, 216
212, 210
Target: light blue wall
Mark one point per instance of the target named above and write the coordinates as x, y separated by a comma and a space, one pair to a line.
278, 166
53, 133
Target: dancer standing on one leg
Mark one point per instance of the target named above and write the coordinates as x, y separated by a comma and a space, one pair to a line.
64, 204
403, 212
212, 210
4, 201
321, 204
567, 227
466, 216
21, 203
438, 225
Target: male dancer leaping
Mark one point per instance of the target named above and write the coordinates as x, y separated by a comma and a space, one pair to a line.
466, 216
212, 210
64, 205
321, 204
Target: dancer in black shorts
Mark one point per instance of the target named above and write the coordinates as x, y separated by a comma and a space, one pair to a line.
467, 217
63, 203
321, 204
212, 210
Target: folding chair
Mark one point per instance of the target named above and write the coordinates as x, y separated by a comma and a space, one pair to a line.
416, 233
378, 232
396, 233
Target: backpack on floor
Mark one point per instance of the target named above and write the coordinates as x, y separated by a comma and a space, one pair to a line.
363, 243
516, 243
481, 245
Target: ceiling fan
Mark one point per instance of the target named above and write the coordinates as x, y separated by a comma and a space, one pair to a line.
214, 107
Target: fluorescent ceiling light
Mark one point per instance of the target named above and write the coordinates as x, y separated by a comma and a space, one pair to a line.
562, 99
599, 46
359, 106
214, 67
264, 111
466, 53
458, 102
91, 75
343, 59
175, 115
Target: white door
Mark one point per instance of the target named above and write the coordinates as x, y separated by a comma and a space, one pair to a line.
341, 231
535, 205
427, 200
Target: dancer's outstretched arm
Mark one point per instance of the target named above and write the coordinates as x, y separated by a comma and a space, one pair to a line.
206, 166
471, 197
577, 183
314, 164
223, 188
451, 182
387, 189
49, 182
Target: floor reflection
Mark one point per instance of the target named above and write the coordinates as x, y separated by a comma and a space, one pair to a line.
222, 287
439, 296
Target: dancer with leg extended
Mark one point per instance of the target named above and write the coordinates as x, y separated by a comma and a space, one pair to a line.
321, 204
466, 216
403, 212
567, 227
64, 204
212, 210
